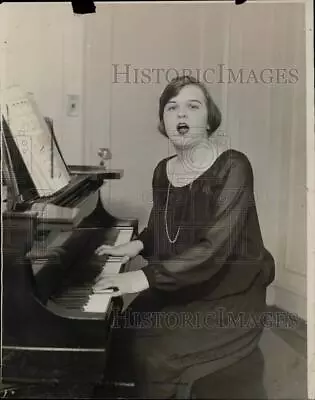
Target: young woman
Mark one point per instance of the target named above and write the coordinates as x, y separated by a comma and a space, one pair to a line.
204, 287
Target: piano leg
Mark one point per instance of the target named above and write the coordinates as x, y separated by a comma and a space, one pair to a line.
111, 387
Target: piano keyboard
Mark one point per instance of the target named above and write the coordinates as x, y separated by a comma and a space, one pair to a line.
98, 302
80, 297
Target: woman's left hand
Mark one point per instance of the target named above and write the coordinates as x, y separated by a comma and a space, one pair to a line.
123, 283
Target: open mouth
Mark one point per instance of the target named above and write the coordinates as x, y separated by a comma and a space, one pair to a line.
182, 128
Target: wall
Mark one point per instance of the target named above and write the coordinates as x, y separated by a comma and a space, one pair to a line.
63, 54
43, 54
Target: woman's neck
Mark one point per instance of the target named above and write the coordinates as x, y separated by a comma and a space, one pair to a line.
197, 156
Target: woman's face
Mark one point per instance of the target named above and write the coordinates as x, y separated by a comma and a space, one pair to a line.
186, 117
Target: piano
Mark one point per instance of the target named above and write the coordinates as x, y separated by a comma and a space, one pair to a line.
55, 331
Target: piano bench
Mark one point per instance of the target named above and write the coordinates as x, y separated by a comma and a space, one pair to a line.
241, 380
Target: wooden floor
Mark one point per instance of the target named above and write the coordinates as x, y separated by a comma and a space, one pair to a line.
285, 354
284, 376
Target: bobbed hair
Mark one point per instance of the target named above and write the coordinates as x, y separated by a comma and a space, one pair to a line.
173, 89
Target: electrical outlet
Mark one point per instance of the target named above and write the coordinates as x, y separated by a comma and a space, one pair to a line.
73, 105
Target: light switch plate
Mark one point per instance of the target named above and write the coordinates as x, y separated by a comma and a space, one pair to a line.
73, 105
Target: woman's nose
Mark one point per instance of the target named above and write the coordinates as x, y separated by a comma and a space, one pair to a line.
182, 112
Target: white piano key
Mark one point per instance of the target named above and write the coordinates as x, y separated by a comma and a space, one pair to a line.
98, 302
124, 236
112, 266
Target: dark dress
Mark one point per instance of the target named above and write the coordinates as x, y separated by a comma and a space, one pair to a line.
208, 289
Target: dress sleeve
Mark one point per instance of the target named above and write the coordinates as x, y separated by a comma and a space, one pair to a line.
203, 260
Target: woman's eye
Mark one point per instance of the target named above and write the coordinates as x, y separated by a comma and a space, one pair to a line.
193, 106
171, 108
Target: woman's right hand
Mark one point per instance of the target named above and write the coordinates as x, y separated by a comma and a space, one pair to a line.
129, 249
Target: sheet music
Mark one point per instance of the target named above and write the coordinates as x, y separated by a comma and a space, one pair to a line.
33, 139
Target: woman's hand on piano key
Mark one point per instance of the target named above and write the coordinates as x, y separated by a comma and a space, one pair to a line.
123, 283
129, 249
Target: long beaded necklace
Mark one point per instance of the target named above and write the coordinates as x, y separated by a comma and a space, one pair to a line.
166, 205
165, 214
165, 218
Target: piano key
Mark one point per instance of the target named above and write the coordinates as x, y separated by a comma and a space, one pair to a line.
98, 302
124, 236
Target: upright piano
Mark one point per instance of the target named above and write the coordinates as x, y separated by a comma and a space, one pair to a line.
54, 329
